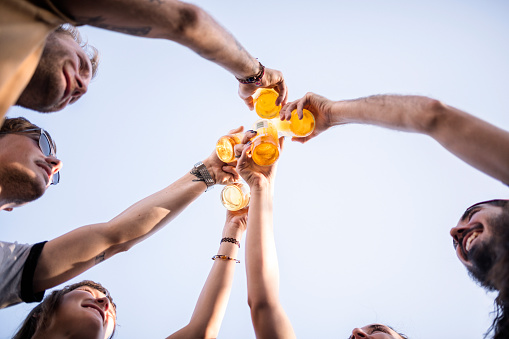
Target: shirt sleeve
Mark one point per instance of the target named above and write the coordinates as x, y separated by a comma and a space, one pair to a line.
27, 279
17, 267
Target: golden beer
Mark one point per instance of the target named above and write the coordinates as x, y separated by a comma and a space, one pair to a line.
235, 196
265, 144
295, 127
265, 103
225, 146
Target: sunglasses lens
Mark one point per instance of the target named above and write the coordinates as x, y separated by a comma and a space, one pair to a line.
56, 178
45, 145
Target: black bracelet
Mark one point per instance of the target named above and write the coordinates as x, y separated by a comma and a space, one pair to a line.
232, 240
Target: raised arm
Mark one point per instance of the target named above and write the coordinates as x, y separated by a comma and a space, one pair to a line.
184, 23
211, 306
475, 141
73, 253
267, 313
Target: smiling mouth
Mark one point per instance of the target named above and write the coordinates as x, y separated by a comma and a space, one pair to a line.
467, 241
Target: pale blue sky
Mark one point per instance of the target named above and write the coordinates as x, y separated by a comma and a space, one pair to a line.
362, 214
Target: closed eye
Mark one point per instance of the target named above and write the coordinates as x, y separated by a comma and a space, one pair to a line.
379, 328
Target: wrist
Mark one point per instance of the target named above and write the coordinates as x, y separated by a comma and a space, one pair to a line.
255, 76
202, 173
260, 184
233, 230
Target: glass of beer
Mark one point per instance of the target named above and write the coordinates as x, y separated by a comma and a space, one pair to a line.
265, 103
225, 146
295, 127
265, 144
235, 196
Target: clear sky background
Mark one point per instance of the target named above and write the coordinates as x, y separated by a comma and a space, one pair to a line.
362, 214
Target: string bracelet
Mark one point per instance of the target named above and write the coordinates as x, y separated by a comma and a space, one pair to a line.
225, 257
232, 240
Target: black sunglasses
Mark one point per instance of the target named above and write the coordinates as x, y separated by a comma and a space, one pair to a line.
46, 146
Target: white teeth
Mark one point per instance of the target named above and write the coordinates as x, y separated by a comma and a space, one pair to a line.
471, 238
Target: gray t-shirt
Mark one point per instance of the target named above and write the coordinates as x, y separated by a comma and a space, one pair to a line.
17, 267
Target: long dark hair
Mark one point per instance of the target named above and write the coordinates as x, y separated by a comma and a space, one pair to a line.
40, 316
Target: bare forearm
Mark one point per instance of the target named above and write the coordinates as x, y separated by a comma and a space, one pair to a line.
173, 20
150, 214
405, 113
75, 252
267, 313
473, 140
261, 257
211, 305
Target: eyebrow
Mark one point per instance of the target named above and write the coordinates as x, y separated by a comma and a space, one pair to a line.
470, 212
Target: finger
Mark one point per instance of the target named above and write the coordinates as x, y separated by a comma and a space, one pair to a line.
237, 150
283, 93
249, 103
250, 134
233, 171
281, 143
244, 156
287, 109
300, 107
236, 130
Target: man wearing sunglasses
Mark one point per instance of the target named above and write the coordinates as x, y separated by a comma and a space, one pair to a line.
28, 166
26, 36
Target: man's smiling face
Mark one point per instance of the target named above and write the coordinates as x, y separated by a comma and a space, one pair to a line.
474, 237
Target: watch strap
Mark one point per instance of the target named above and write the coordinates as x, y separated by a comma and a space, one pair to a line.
201, 172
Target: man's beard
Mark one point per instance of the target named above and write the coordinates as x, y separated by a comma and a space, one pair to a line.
482, 258
18, 187
42, 93
490, 259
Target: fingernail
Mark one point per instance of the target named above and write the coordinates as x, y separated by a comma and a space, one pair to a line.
251, 131
248, 143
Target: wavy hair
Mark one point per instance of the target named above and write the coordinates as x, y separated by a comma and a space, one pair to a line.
40, 316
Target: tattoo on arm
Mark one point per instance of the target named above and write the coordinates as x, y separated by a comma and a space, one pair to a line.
99, 21
100, 258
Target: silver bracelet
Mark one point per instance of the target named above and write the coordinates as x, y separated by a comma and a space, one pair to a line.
202, 174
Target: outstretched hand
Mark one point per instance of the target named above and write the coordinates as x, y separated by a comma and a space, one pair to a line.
271, 79
321, 108
254, 175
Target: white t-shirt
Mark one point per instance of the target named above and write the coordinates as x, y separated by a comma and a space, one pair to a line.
17, 267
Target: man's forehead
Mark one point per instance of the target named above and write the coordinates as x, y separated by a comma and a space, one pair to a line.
481, 205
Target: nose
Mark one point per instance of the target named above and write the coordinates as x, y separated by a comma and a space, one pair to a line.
358, 333
54, 163
104, 303
81, 86
458, 232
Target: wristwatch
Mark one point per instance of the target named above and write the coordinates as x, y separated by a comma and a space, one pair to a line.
204, 174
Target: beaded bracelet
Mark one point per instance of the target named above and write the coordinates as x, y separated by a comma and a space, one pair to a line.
224, 257
232, 240
254, 79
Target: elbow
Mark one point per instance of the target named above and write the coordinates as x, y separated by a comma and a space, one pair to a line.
188, 18
432, 117
258, 305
